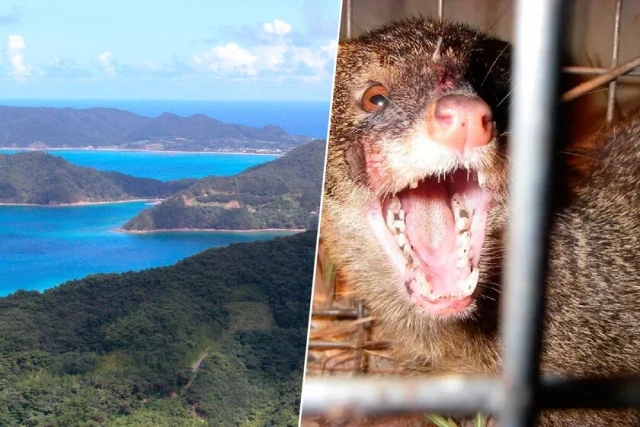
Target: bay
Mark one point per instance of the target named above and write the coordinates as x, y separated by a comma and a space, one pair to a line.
41, 247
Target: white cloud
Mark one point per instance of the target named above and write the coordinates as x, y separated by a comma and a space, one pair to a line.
229, 58
278, 27
15, 54
273, 55
107, 64
153, 65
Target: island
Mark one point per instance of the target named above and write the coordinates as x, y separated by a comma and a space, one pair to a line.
217, 339
38, 178
280, 194
110, 128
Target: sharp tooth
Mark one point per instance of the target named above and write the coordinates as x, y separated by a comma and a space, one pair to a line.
414, 185
395, 205
482, 179
471, 282
390, 218
400, 226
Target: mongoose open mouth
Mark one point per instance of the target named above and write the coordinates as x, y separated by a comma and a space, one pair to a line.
433, 231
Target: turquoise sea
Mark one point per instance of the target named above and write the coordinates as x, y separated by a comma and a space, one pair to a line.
164, 166
42, 247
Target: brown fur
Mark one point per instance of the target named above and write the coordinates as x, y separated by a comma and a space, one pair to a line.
592, 300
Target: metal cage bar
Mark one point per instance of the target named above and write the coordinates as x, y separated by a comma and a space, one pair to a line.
533, 117
614, 60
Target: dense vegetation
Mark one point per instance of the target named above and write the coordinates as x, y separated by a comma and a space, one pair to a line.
108, 127
39, 178
122, 349
284, 193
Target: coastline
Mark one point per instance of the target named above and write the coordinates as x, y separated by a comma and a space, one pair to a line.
209, 230
137, 150
63, 205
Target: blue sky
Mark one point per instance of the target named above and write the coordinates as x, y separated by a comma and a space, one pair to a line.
168, 49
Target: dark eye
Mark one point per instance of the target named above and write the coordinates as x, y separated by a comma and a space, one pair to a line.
374, 98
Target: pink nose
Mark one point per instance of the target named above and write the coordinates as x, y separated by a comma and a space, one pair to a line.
461, 123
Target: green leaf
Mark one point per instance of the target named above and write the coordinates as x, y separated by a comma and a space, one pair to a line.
439, 420
480, 420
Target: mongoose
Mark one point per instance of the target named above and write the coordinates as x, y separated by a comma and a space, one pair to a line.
415, 212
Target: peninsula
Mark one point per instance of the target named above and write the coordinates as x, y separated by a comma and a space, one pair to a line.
38, 178
280, 194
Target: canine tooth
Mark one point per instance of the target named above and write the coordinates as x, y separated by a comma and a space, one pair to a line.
414, 185
400, 226
394, 204
471, 282
390, 218
482, 179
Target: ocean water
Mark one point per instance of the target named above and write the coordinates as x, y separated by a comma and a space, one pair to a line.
297, 118
164, 166
41, 247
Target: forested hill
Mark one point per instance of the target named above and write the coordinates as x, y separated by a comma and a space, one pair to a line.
283, 193
41, 127
121, 349
36, 177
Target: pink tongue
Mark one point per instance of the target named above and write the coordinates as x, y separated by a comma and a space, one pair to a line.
429, 221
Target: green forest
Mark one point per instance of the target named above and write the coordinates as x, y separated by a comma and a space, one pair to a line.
283, 193
35, 177
217, 339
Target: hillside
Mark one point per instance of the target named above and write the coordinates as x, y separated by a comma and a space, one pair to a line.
123, 349
39, 178
40, 127
284, 193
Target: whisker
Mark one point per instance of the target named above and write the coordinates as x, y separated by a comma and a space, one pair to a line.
506, 96
494, 64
